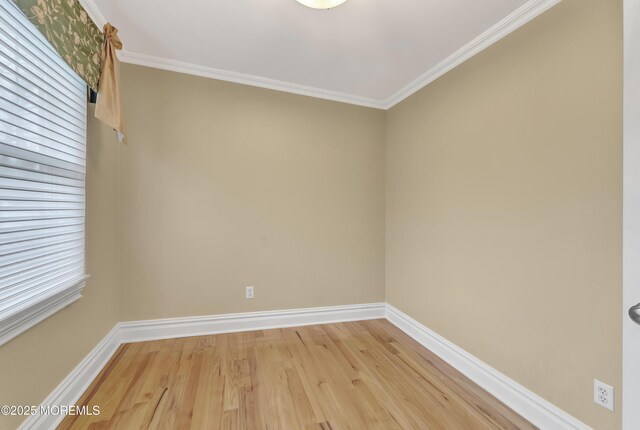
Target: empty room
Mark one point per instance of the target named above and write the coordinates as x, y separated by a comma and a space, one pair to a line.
320, 214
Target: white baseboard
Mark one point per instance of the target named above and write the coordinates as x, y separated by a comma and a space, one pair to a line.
530, 406
140, 331
76, 383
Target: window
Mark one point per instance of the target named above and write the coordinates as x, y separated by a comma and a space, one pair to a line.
42, 177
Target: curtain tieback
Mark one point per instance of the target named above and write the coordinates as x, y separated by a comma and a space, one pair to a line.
111, 34
109, 106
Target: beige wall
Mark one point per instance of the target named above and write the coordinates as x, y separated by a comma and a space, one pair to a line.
503, 210
225, 186
35, 362
504, 205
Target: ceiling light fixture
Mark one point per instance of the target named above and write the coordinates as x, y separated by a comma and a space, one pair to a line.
321, 4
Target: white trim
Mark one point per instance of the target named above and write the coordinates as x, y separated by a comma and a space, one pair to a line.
512, 22
532, 407
242, 78
529, 405
139, 331
227, 75
76, 383
631, 217
94, 13
38, 309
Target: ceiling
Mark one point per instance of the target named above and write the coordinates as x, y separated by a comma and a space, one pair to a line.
367, 52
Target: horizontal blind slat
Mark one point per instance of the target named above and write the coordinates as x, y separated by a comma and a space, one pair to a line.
26, 205
40, 111
27, 31
42, 122
17, 168
27, 78
20, 236
43, 113
39, 261
12, 248
26, 52
39, 215
34, 196
33, 172
18, 257
23, 185
42, 292
33, 273
32, 94
28, 225
33, 285
14, 151
21, 128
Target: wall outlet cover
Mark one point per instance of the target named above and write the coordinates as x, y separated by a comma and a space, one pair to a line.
603, 394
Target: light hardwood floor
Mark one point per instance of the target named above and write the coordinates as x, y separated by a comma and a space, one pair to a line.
360, 375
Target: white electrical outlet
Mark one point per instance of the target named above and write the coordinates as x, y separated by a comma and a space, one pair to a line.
249, 292
603, 394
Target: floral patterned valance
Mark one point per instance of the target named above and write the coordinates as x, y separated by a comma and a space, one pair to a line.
72, 33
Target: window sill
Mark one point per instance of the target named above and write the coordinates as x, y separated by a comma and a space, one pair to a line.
41, 309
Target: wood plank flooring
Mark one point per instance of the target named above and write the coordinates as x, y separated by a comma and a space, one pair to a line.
359, 375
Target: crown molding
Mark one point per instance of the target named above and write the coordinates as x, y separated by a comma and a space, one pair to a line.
94, 13
512, 22
242, 78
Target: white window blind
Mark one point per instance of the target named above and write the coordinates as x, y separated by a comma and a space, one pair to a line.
42, 177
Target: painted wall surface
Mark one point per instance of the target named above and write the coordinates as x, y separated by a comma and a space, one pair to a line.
503, 205
36, 361
498, 187
226, 186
